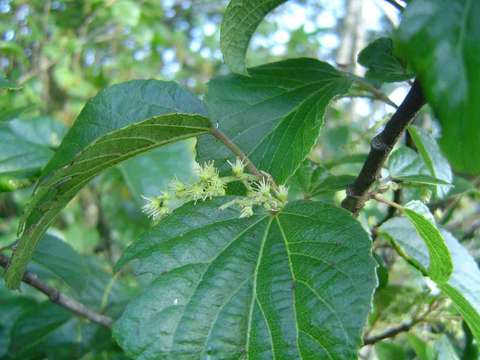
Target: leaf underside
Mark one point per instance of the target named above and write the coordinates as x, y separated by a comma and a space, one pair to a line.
440, 267
110, 129
463, 286
297, 285
436, 163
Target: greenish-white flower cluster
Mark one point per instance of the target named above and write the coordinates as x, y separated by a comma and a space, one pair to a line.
260, 192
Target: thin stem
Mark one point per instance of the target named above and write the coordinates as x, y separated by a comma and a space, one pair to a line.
236, 150
372, 89
390, 203
392, 210
107, 291
381, 146
405, 327
392, 332
60, 299
219, 135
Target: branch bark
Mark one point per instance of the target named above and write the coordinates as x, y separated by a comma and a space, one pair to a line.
404, 327
381, 146
389, 333
60, 299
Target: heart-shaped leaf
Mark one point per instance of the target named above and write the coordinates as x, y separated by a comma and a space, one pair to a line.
294, 285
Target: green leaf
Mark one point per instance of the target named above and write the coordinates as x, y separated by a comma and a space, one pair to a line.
470, 350
42, 130
406, 165
9, 113
150, 173
463, 287
34, 326
8, 84
260, 287
440, 265
117, 107
26, 148
11, 308
311, 180
382, 272
381, 63
332, 183
275, 115
19, 156
126, 12
120, 122
390, 351
421, 179
404, 161
445, 350
441, 39
422, 349
240, 21
436, 163
58, 257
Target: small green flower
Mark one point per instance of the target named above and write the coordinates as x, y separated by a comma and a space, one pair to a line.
156, 207
196, 192
237, 168
207, 171
246, 211
282, 193
262, 189
178, 187
215, 187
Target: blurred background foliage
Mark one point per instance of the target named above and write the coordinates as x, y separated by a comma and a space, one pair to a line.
58, 54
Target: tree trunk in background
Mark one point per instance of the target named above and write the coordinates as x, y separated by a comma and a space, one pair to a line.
352, 36
351, 42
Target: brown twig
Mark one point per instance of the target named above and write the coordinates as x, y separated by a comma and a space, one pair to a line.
392, 332
219, 135
60, 299
381, 146
377, 94
404, 327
